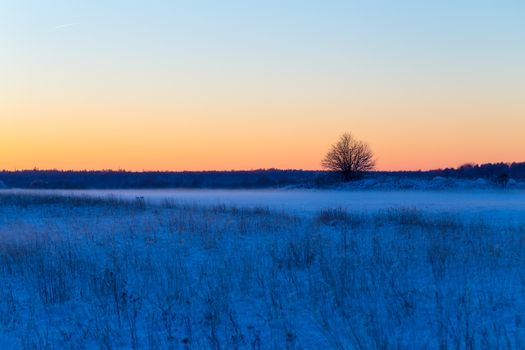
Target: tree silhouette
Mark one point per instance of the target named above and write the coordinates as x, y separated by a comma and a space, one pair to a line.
349, 157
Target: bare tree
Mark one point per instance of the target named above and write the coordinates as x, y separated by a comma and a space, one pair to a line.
349, 157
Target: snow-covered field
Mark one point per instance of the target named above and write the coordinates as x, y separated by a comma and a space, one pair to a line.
262, 269
310, 201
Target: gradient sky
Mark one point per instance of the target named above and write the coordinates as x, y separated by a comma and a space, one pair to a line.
191, 85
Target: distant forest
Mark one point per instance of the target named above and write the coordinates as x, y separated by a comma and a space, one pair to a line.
264, 178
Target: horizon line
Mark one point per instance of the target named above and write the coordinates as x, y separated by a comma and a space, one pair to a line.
239, 170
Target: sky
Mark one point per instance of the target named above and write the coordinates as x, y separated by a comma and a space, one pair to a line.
206, 84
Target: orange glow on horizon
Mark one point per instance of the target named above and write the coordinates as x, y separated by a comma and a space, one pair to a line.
181, 86
175, 144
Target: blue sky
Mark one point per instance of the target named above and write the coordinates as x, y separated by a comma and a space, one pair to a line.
396, 73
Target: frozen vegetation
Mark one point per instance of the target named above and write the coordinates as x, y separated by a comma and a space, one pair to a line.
308, 201
103, 272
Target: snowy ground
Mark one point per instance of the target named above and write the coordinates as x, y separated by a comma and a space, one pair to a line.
310, 201
263, 270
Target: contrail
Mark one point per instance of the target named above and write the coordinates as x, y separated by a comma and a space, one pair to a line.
61, 26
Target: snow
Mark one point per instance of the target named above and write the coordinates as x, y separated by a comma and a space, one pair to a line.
384, 269
310, 201
438, 183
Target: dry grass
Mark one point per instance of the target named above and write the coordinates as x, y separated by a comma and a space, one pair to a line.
104, 273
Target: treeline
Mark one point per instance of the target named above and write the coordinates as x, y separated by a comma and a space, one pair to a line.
106, 179
490, 170
263, 178
475, 171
